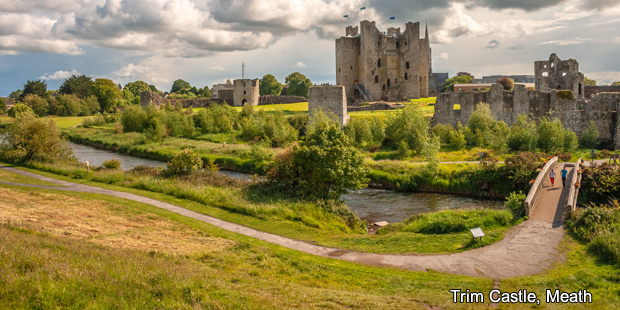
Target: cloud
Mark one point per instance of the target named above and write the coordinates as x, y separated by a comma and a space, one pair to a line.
493, 44
300, 65
217, 68
516, 47
600, 4
59, 75
526, 5
443, 56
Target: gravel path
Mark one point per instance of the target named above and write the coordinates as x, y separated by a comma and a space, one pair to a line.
527, 249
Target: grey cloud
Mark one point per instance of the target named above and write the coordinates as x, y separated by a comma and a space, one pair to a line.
526, 5
493, 44
516, 47
600, 4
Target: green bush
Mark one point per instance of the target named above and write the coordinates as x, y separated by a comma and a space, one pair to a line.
97, 120
112, 164
184, 163
18, 109
359, 132
589, 136
37, 104
68, 105
599, 227
443, 131
2, 106
565, 94
453, 221
32, 138
456, 139
514, 203
133, 119
411, 126
550, 135
216, 119
524, 135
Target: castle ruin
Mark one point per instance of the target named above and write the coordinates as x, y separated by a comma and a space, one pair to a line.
559, 74
556, 95
388, 66
245, 91
331, 99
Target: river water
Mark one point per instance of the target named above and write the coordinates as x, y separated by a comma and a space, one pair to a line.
372, 205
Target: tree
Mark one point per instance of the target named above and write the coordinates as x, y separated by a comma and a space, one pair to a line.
154, 88
481, 122
107, 93
589, 82
551, 135
448, 85
269, 86
69, 105
37, 104
2, 106
298, 84
465, 74
37, 87
506, 82
617, 83
180, 85
18, 109
16, 94
589, 136
324, 165
36, 138
137, 87
229, 81
409, 125
205, 92
77, 85
524, 134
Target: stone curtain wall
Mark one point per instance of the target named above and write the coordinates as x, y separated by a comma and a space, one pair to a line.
507, 105
148, 97
592, 90
331, 99
275, 99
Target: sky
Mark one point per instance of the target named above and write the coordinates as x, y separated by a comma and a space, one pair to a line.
204, 42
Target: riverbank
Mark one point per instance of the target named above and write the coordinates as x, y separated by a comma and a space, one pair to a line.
471, 180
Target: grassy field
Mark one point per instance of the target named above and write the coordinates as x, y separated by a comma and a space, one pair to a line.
104, 252
8, 176
116, 259
62, 122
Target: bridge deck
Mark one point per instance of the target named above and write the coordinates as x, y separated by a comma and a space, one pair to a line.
550, 204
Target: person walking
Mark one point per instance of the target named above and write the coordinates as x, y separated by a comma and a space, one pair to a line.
552, 177
563, 173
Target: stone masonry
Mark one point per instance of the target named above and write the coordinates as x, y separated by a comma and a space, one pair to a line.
559, 74
383, 66
246, 91
331, 99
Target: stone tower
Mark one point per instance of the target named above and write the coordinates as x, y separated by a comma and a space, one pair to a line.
245, 91
560, 75
391, 66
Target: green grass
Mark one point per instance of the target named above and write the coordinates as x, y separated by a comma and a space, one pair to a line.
61, 121
47, 271
8, 176
298, 220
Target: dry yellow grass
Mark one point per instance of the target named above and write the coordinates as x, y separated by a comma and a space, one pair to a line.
103, 223
8, 176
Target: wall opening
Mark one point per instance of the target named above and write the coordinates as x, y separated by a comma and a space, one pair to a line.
395, 81
397, 45
405, 43
388, 83
243, 84
379, 62
407, 65
405, 75
244, 92
376, 79
564, 74
243, 102
383, 86
559, 86
545, 74
580, 87
351, 67
339, 70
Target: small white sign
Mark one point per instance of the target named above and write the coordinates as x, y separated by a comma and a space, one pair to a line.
477, 232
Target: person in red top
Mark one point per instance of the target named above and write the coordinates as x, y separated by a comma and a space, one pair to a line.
552, 177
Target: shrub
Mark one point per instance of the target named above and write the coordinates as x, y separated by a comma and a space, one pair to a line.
550, 135
589, 136
97, 120
378, 130
37, 104
216, 119
183, 163
2, 106
480, 125
68, 105
443, 132
506, 82
33, 138
359, 131
118, 128
524, 135
112, 163
133, 119
514, 203
19, 109
411, 126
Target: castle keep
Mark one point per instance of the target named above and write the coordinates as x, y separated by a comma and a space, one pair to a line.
559, 74
383, 66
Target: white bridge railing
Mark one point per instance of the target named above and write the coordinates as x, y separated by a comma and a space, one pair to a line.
573, 191
534, 193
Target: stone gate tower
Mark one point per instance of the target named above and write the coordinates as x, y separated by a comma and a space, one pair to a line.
374, 65
245, 91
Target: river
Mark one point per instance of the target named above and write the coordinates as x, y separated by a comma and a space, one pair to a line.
372, 205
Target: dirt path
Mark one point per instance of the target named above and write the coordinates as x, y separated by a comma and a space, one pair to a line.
527, 249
